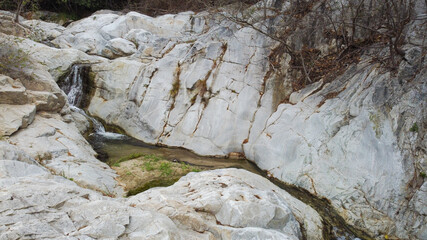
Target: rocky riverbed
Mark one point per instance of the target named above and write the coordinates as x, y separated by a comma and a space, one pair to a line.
203, 82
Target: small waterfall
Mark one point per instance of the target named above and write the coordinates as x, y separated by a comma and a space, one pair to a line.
97, 126
73, 86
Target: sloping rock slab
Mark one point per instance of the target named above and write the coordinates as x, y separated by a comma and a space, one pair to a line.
232, 203
211, 205
13, 117
61, 148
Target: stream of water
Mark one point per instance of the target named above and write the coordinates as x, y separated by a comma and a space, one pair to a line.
73, 87
115, 146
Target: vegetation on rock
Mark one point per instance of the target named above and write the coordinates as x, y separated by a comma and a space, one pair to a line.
348, 29
140, 172
12, 58
414, 128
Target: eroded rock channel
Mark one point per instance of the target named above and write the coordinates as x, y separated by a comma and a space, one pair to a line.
129, 157
142, 166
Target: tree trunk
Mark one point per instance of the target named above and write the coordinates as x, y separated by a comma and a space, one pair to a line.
18, 10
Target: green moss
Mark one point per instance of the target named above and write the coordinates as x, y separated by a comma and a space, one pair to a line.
153, 157
148, 166
414, 128
175, 86
151, 184
175, 89
128, 157
150, 158
165, 168
423, 174
92, 76
375, 119
184, 166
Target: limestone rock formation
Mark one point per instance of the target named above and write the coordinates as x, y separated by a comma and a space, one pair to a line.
36, 204
118, 47
206, 83
49, 135
14, 117
61, 148
48, 173
44, 31
12, 91
211, 90
222, 201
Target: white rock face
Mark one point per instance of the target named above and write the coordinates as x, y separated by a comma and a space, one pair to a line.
92, 34
118, 47
48, 64
210, 91
210, 77
139, 36
11, 152
35, 204
206, 87
296, 97
231, 203
13, 117
44, 30
46, 136
61, 148
12, 91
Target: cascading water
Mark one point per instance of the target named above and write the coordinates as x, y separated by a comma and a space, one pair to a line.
73, 86
97, 126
